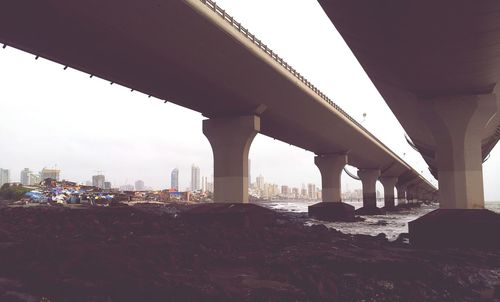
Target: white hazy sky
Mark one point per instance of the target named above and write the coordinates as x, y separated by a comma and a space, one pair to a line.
53, 117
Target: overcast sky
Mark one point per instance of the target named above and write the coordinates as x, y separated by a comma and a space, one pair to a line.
50, 117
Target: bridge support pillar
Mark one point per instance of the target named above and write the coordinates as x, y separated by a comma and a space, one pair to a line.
332, 208
369, 179
457, 124
389, 183
230, 139
401, 194
416, 194
410, 195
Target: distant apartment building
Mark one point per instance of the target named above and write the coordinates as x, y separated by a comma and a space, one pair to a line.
195, 178
139, 185
4, 176
204, 184
34, 179
98, 181
352, 195
210, 187
274, 190
174, 179
303, 193
107, 185
127, 188
50, 173
260, 182
25, 177
311, 191
265, 192
29, 178
285, 191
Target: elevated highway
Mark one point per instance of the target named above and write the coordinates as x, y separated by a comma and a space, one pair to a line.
195, 55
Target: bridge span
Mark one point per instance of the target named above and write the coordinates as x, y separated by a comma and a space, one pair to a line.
194, 54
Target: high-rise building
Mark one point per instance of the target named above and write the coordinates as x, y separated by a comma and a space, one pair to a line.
4, 176
50, 173
274, 190
285, 191
311, 191
174, 179
139, 185
204, 184
260, 182
107, 185
25, 177
29, 178
98, 181
195, 178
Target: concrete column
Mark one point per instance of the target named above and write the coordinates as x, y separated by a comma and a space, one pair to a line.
230, 139
457, 124
410, 194
435, 196
401, 194
416, 194
369, 179
389, 183
332, 208
330, 166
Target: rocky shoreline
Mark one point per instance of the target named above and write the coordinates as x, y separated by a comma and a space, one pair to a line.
151, 253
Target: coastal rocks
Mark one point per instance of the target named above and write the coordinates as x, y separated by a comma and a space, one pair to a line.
231, 214
390, 208
332, 211
406, 206
381, 223
142, 254
370, 211
456, 228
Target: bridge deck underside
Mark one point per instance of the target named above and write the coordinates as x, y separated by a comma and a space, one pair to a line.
179, 55
414, 51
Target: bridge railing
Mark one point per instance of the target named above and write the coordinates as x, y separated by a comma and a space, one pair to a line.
221, 12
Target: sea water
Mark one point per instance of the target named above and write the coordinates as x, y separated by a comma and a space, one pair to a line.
391, 224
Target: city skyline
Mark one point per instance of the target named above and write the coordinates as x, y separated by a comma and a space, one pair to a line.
173, 182
100, 181
258, 188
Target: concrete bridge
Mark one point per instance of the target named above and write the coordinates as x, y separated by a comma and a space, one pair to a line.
194, 54
437, 65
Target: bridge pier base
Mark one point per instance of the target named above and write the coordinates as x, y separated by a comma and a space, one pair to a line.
457, 124
230, 139
332, 208
389, 183
369, 179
